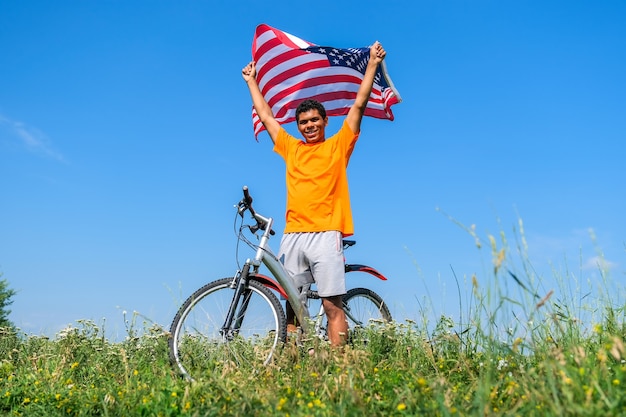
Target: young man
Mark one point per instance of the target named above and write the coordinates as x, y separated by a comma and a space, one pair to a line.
318, 205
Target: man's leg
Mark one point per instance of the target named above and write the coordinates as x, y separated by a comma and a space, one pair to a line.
292, 323
290, 255
337, 324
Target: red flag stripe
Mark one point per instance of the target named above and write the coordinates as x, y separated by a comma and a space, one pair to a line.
322, 78
281, 74
276, 94
301, 93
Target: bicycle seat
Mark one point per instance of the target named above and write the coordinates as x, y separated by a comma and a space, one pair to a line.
347, 243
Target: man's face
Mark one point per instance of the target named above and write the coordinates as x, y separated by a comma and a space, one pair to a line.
312, 126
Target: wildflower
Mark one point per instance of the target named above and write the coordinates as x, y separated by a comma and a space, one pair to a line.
516, 343
401, 407
616, 382
74, 365
135, 372
281, 403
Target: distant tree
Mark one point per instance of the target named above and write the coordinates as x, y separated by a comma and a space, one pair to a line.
5, 301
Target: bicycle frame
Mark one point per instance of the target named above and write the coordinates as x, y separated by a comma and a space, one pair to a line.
264, 255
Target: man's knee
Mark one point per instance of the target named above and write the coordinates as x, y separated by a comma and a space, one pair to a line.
333, 305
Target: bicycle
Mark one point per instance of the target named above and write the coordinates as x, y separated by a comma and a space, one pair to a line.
239, 320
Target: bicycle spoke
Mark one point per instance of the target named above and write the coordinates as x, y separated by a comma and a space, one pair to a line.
199, 345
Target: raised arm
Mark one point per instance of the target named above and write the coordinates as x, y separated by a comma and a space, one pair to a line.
260, 105
355, 114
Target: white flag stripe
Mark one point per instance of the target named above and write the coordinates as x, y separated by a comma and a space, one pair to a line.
308, 75
288, 65
306, 92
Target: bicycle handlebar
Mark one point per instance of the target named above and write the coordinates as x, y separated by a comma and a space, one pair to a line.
246, 196
246, 203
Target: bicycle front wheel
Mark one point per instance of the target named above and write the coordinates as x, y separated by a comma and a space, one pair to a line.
199, 345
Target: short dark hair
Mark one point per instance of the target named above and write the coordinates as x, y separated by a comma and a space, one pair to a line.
309, 104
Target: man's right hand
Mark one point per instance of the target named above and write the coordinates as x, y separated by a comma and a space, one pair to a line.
249, 72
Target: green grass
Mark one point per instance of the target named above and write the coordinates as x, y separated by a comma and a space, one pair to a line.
526, 355
401, 371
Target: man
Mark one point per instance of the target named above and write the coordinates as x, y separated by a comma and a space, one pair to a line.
318, 206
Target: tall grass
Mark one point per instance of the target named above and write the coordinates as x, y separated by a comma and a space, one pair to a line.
528, 354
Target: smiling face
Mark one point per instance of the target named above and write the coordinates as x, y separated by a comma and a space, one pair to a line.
312, 126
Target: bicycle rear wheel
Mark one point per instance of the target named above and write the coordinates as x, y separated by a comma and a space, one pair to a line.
199, 346
363, 308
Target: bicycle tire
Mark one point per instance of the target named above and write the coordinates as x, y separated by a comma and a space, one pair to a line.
363, 306
196, 345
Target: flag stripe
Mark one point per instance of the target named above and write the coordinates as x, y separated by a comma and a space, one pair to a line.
287, 71
276, 94
339, 89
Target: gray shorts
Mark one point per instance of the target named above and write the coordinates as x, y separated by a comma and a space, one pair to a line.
315, 257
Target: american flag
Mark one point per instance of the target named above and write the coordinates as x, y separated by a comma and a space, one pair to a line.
290, 70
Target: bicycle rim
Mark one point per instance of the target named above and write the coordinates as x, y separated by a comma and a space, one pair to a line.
364, 307
199, 347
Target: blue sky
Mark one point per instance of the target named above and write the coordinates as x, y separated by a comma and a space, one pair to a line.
125, 139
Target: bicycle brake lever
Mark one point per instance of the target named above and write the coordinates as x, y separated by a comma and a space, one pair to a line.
241, 208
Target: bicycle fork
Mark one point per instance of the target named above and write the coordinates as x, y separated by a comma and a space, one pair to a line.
238, 305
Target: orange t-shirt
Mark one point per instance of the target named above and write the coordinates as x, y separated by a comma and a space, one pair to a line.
318, 199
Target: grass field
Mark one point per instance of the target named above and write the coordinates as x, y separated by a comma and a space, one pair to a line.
527, 356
